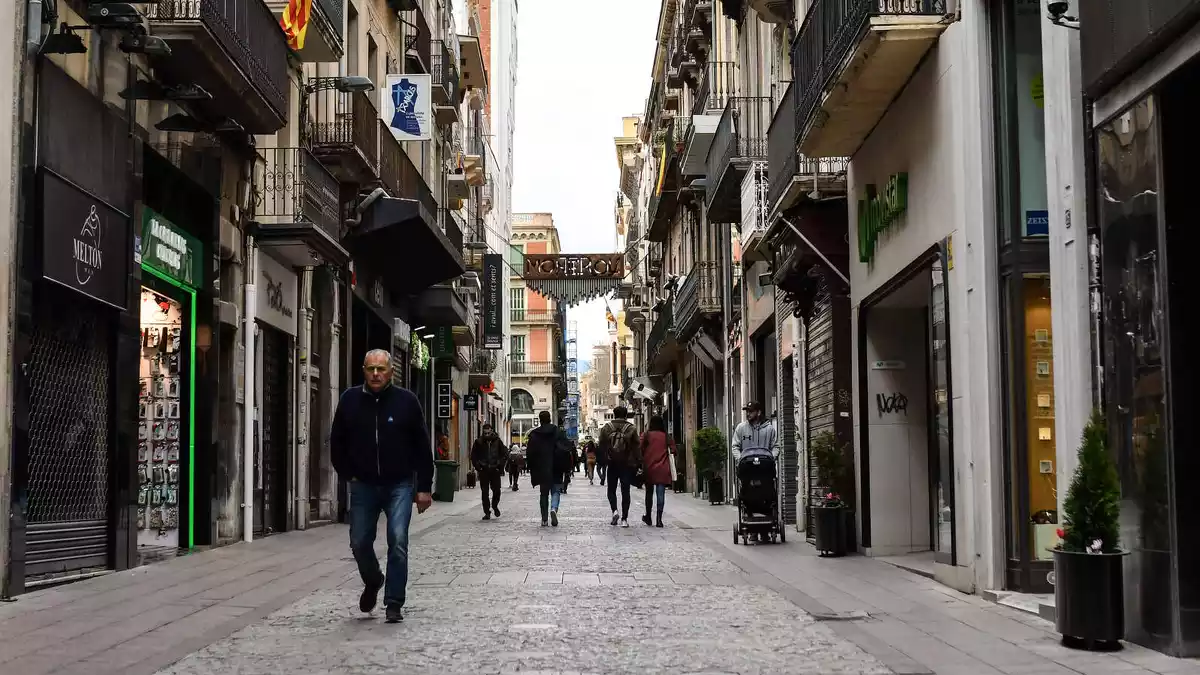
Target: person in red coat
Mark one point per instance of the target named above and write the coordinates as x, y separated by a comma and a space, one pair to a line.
658, 450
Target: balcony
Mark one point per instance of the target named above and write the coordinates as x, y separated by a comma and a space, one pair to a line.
662, 347
325, 40
483, 367
718, 81
418, 42
754, 210
793, 178
343, 132
447, 95
517, 365
298, 208
699, 299
534, 316
661, 211
741, 139
235, 50
473, 67
850, 60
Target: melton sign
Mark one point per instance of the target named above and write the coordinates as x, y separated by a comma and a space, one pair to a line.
84, 242
572, 278
879, 212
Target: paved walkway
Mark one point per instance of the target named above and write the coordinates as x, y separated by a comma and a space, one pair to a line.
507, 596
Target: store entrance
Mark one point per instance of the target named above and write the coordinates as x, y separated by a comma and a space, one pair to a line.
905, 378
165, 420
275, 439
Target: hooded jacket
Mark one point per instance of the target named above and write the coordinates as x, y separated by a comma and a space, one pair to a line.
488, 453
547, 455
381, 438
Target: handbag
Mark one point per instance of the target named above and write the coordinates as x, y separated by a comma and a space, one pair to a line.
674, 469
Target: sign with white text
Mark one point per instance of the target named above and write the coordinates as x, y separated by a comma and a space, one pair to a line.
405, 107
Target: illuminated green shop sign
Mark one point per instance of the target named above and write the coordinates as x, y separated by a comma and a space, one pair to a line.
879, 212
170, 250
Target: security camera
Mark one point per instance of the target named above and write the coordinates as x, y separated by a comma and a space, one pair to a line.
1057, 8
140, 43
115, 15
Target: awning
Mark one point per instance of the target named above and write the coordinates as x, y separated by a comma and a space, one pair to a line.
440, 306
301, 244
401, 241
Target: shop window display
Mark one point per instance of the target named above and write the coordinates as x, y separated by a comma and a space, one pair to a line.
161, 418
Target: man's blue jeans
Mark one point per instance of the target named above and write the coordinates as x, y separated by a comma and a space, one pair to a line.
549, 498
396, 502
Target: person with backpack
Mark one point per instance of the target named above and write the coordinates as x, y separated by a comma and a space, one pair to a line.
619, 442
548, 456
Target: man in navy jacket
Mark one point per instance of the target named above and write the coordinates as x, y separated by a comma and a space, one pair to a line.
380, 444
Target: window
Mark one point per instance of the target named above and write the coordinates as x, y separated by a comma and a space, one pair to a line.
516, 257
516, 300
522, 402
352, 40
517, 342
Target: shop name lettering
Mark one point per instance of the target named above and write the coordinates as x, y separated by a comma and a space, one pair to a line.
894, 403
879, 212
169, 246
275, 296
88, 257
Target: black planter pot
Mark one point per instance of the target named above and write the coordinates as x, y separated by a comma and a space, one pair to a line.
1089, 599
716, 490
831, 529
470, 479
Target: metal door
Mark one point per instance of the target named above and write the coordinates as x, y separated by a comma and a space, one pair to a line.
274, 426
822, 391
69, 375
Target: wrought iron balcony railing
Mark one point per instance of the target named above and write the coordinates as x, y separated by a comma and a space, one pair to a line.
830, 32
445, 72
662, 331
741, 134
345, 121
534, 316
295, 187
418, 43
699, 296
399, 175
519, 366
249, 33
782, 160
718, 83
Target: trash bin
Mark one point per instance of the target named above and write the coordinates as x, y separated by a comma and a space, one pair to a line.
445, 480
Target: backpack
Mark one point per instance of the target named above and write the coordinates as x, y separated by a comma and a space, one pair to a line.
624, 439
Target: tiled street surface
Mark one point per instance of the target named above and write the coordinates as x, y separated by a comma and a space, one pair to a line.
507, 596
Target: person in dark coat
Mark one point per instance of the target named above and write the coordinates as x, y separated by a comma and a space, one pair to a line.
488, 457
601, 462
658, 450
548, 457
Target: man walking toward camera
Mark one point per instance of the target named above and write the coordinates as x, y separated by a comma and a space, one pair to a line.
488, 456
379, 443
619, 442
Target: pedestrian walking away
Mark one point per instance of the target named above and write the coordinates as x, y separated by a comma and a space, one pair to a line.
548, 457
516, 463
658, 450
379, 442
619, 442
589, 450
488, 457
601, 462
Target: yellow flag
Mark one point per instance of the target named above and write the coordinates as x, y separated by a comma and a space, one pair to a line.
295, 22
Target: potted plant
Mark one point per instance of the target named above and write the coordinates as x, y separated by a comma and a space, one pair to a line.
709, 449
831, 514
1088, 587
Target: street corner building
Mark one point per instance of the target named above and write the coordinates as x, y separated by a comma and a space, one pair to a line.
209, 210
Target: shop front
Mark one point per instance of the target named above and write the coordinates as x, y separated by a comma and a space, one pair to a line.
171, 261
275, 374
1142, 237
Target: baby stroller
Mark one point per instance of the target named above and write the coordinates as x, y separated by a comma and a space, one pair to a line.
758, 498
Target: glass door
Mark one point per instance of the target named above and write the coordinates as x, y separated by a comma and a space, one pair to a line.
941, 435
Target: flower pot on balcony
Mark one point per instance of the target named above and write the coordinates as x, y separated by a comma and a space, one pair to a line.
1089, 599
831, 529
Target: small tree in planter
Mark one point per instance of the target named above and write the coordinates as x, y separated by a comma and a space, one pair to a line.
830, 512
709, 448
1088, 589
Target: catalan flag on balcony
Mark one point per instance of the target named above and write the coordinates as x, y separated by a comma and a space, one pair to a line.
662, 170
295, 22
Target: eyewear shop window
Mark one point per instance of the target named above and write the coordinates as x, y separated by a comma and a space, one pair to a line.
1145, 178
906, 432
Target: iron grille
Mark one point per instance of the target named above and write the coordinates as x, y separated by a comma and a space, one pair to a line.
69, 411
820, 406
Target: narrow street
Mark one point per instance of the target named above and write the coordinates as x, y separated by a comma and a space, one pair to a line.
506, 596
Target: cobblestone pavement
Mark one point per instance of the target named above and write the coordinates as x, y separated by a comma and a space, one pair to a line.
507, 596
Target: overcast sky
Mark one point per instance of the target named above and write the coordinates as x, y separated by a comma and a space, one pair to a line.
581, 67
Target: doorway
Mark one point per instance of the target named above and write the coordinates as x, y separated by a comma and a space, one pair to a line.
273, 466
905, 414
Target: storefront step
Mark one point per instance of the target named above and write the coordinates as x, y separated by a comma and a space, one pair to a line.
1038, 604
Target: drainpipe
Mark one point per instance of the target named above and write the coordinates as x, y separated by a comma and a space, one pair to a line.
303, 384
725, 244
250, 415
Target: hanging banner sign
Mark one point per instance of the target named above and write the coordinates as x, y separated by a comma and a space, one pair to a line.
573, 278
84, 242
406, 107
445, 399
493, 301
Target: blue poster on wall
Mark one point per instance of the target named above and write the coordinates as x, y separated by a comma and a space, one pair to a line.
1037, 223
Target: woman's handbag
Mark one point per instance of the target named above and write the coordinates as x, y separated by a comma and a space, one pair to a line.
674, 469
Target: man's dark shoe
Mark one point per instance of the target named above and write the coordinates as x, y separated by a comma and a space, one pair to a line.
394, 614
496, 510
554, 518
659, 523
545, 524
487, 516
370, 596
646, 519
